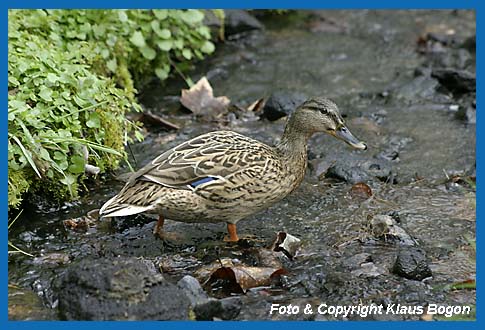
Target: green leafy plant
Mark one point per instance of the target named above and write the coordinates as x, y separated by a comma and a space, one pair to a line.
71, 79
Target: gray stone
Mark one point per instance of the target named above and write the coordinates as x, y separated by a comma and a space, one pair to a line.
456, 81
225, 309
193, 290
235, 21
119, 289
411, 263
282, 103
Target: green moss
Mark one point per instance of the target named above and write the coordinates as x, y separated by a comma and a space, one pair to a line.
17, 185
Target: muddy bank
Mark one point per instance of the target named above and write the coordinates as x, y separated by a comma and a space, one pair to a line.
404, 81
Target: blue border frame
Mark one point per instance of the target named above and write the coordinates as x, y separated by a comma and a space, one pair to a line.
257, 4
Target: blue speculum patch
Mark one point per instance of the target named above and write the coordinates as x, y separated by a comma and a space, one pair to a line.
201, 181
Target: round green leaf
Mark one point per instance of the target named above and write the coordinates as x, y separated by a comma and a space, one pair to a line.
122, 16
46, 94
208, 47
93, 121
164, 33
161, 73
59, 156
165, 45
192, 16
77, 164
68, 180
52, 77
137, 39
187, 53
155, 25
161, 14
179, 43
112, 65
44, 154
148, 52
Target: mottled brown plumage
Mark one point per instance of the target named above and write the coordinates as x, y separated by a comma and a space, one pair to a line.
224, 176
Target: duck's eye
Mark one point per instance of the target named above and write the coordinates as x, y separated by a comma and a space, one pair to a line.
343, 129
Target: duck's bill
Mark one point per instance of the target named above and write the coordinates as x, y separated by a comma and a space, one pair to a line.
345, 135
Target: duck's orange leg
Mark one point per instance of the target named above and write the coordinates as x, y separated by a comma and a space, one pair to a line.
157, 230
232, 230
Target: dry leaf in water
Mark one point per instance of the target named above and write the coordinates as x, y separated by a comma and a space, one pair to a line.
201, 101
204, 272
238, 279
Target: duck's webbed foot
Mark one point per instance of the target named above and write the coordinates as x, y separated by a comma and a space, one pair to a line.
158, 232
232, 230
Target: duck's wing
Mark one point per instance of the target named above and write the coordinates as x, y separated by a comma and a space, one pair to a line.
211, 156
210, 164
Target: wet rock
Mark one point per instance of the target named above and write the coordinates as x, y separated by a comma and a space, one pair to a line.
193, 290
120, 224
174, 264
225, 309
421, 87
456, 81
354, 171
394, 145
355, 261
119, 289
453, 58
368, 269
136, 241
235, 21
52, 259
351, 174
395, 216
231, 307
411, 263
385, 227
281, 104
447, 50
470, 44
29, 237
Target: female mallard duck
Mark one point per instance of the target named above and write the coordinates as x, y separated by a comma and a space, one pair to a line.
224, 176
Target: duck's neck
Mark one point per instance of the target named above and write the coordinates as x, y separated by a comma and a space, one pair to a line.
293, 144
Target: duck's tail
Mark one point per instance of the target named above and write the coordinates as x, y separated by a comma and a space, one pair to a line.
113, 208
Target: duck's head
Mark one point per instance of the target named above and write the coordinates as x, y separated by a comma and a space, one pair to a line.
322, 115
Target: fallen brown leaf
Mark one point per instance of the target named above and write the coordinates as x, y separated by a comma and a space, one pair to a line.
201, 101
361, 190
225, 276
239, 279
204, 272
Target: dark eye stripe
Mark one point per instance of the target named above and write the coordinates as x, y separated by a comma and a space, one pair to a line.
316, 108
